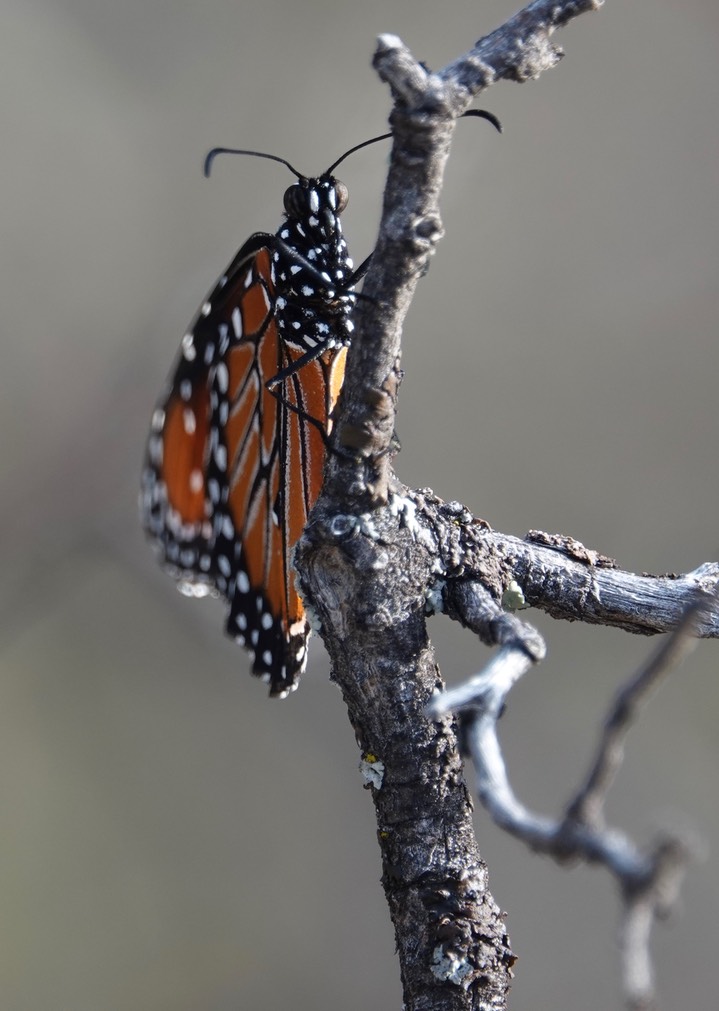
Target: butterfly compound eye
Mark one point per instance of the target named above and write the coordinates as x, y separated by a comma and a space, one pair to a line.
295, 202
342, 196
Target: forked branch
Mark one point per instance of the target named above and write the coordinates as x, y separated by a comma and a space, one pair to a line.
648, 880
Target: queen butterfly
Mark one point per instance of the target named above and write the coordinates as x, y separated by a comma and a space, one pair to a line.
236, 450
237, 442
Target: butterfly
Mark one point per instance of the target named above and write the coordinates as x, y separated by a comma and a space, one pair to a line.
238, 439
237, 442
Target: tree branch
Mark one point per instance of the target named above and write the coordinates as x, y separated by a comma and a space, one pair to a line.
560, 576
376, 558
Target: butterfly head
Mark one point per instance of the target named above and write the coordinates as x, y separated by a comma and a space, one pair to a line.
316, 204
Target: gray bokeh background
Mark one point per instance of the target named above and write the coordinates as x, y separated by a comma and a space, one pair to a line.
171, 840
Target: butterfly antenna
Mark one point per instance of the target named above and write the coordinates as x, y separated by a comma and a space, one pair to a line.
480, 113
365, 143
483, 114
255, 154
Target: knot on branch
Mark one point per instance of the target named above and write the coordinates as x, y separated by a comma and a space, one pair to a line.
533, 56
411, 83
466, 938
428, 231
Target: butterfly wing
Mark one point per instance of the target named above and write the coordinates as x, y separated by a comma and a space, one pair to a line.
176, 500
233, 468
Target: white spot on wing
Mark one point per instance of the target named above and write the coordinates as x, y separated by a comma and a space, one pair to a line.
189, 589
221, 457
188, 347
222, 376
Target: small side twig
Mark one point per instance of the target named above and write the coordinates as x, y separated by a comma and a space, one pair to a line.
587, 807
649, 881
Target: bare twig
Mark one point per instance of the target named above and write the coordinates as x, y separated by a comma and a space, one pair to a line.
648, 881
587, 807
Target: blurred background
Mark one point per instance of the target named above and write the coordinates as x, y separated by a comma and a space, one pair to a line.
170, 839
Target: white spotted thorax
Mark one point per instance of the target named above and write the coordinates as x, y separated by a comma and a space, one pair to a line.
313, 228
197, 453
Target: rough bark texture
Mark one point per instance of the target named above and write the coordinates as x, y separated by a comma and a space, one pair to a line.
452, 944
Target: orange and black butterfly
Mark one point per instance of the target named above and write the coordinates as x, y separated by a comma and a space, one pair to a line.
237, 442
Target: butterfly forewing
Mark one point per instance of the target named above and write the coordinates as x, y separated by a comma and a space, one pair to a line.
234, 467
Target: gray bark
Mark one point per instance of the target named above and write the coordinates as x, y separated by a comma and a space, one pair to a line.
376, 558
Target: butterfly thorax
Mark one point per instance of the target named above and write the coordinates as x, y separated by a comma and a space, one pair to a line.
311, 269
